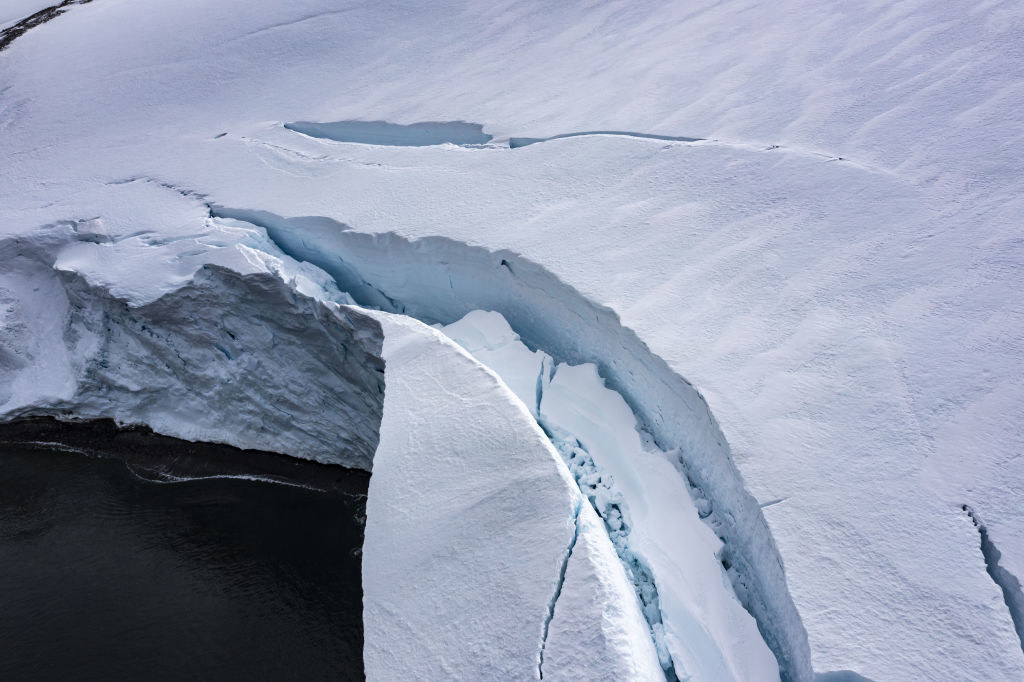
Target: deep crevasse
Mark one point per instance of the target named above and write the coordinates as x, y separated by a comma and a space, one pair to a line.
699, 627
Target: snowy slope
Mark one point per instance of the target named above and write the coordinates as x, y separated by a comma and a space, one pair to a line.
848, 302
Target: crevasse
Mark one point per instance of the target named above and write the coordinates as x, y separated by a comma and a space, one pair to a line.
439, 280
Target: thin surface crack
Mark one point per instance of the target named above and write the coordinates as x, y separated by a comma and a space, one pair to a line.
558, 587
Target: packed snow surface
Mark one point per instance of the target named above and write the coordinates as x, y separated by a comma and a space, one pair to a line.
834, 265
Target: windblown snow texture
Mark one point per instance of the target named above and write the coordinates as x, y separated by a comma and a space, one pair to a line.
834, 266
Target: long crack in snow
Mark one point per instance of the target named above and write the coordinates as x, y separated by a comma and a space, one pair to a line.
1008, 583
559, 585
607, 502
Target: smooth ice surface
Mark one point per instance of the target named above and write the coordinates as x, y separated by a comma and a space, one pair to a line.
836, 268
709, 635
472, 540
382, 132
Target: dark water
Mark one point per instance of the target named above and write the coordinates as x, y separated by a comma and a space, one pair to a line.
105, 576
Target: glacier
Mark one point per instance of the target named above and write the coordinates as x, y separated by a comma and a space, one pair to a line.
793, 252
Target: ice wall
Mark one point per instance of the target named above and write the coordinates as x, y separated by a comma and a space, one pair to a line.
671, 557
243, 358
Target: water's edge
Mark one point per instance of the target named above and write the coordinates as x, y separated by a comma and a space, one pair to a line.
166, 459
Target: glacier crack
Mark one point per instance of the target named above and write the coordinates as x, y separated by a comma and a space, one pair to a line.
394, 134
517, 142
558, 586
390, 272
429, 133
1008, 583
608, 504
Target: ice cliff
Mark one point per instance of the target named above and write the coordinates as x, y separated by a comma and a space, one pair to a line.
231, 348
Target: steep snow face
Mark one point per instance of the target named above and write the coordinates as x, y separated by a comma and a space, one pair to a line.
481, 560
669, 553
242, 354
